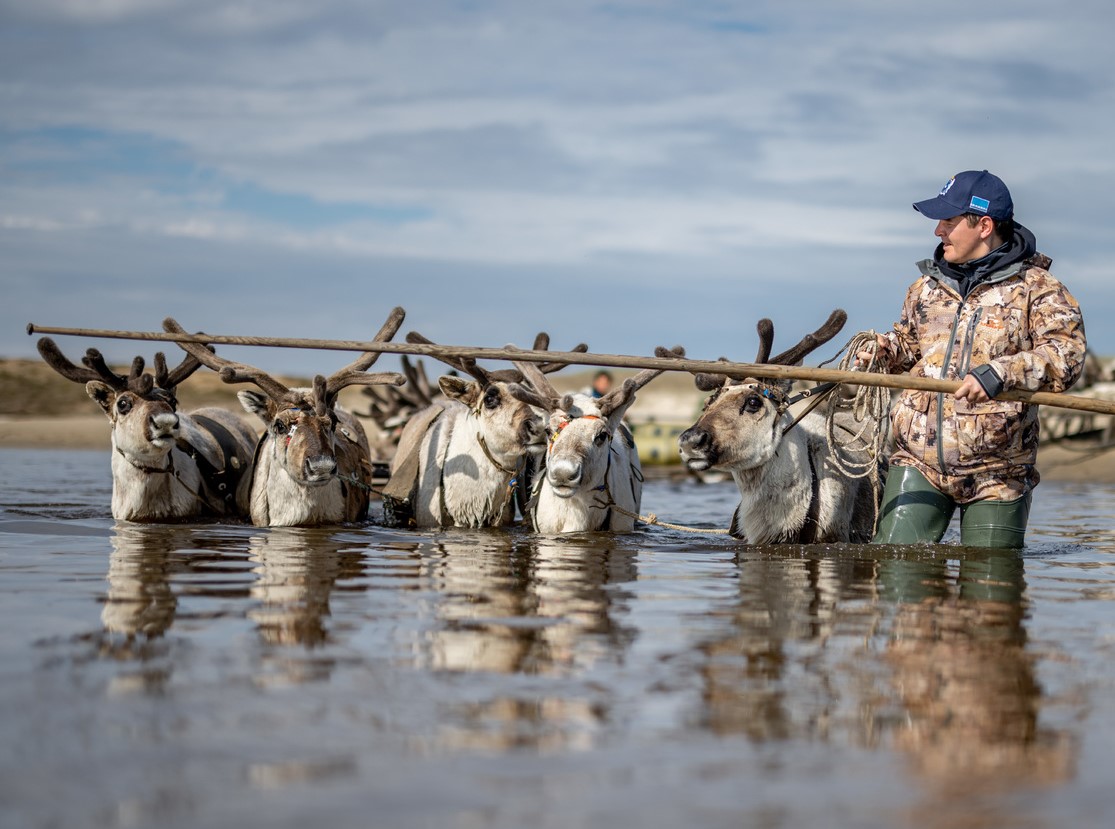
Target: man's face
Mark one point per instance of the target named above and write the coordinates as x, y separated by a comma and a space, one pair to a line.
963, 242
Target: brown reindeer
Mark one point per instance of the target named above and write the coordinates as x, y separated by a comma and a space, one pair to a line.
166, 465
790, 489
311, 464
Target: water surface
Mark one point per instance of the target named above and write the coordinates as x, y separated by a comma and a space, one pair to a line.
221, 675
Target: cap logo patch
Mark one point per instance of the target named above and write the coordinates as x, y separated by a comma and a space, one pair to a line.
979, 204
948, 186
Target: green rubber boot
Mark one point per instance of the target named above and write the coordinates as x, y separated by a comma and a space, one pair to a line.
999, 524
913, 512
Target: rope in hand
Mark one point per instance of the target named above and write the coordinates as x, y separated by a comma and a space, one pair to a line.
859, 451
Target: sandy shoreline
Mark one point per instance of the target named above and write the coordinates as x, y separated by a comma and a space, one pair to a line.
91, 432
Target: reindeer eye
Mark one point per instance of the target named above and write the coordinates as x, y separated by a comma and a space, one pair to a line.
752, 404
491, 398
279, 427
600, 438
124, 405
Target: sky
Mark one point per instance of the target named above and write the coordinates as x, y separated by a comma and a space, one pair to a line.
626, 174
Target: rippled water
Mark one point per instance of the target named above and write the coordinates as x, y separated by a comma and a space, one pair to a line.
208, 675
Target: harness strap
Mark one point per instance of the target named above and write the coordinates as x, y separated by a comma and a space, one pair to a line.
150, 470
487, 454
223, 481
811, 529
818, 394
167, 470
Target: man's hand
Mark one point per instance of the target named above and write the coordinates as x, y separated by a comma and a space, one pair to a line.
971, 390
863, 358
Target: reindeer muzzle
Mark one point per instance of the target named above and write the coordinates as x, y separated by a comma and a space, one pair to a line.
319, 470
162, 429
697, 449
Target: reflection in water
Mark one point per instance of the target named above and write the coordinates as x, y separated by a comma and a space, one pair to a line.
955, 688
296, 569
518, 607
140, 601
966, 681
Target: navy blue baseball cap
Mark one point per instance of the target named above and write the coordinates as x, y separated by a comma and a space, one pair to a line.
973, 191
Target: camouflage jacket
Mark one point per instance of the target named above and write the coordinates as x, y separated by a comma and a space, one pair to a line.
1022, 322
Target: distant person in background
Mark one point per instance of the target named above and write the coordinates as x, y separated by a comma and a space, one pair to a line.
601, 383
986, 312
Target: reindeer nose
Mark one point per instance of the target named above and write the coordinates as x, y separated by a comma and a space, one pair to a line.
694, 440
163, 422
323, 466
564, 473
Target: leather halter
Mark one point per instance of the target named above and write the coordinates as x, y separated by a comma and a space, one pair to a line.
566, 422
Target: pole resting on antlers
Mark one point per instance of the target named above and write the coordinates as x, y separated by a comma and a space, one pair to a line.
723, 367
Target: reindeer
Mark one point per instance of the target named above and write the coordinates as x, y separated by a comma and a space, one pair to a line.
790, 489
166, 465
592, 478
461, 460
311, 464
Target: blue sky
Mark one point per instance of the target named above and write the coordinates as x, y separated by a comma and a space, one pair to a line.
623, 173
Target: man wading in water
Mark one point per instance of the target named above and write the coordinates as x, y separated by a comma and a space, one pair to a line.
986, 311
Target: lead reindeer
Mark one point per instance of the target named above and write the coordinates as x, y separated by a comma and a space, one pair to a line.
167, 465
790, 488
592, 478
461, 459
311, 464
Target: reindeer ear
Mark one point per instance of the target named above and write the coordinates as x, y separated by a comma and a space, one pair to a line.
457, 389
255, 403
102, 393
619, 401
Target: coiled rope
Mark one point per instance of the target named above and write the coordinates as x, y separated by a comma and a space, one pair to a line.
860, 452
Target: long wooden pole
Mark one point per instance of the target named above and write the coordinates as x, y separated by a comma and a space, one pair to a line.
757, 370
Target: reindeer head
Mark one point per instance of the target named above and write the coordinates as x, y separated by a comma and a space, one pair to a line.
141, 408
580, 428
302, 423
741, 427
508, 427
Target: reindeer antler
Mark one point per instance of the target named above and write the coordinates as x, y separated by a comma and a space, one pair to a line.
541, 394
355, 373
468, 365
390, 402
417, 381
791, 356
766, 339
96, 369
622, 396
230, 371
542, 343
54, 358
811, 342
170, 380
